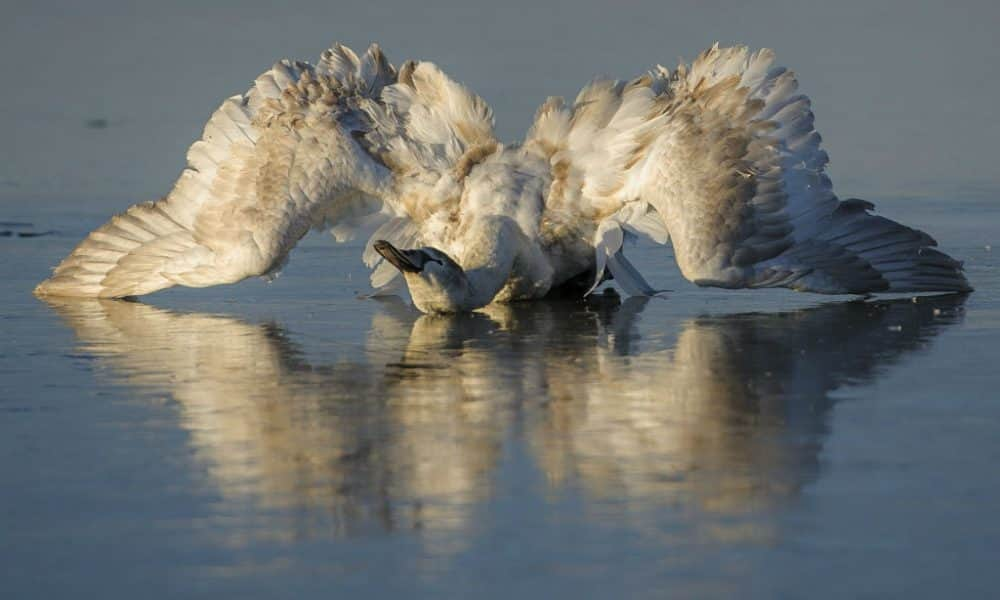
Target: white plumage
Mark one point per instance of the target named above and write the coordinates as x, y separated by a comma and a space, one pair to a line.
721, 158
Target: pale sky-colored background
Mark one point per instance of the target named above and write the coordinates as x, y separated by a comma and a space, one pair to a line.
904, 92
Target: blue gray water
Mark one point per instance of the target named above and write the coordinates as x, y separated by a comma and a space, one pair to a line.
284, 439
293, 440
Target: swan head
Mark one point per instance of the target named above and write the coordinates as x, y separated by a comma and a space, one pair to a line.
437, 283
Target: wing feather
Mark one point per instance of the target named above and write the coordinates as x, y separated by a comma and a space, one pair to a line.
726, 153
306, 146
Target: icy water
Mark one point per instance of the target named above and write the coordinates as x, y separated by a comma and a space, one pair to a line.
288, 439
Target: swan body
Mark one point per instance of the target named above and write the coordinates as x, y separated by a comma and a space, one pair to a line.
719, 157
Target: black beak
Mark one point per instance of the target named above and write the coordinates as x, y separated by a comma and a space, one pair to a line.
401, 259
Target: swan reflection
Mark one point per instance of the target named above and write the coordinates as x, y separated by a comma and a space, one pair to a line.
727, 417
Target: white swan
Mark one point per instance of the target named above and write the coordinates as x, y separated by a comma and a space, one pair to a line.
720, 157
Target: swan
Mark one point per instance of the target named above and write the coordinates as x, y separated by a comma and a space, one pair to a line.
720, 158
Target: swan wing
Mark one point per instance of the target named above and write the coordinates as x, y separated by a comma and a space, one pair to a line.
725, 154
337, 144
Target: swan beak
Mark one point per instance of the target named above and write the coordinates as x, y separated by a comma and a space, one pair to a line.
407, 261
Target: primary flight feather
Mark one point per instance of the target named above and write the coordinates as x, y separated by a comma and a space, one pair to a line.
721, 158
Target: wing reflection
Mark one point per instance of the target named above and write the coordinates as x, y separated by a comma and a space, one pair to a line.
730, 419
727, 418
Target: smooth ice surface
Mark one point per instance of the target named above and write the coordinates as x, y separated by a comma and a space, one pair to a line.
290, 440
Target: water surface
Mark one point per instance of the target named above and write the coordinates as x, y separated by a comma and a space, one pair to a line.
291, 438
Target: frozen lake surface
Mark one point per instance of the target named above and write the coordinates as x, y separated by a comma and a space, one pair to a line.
276, 440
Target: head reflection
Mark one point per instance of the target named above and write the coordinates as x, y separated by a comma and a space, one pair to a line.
727, 417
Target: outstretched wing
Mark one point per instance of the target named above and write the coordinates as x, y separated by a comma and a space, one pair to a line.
726, 156
306, 147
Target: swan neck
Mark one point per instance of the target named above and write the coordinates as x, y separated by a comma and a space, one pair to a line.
488, 261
